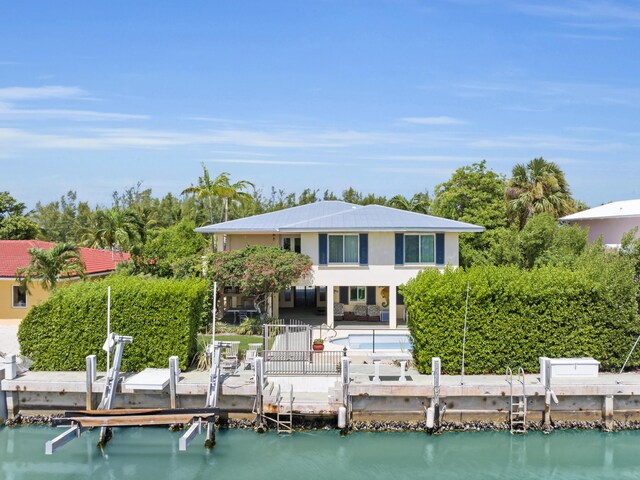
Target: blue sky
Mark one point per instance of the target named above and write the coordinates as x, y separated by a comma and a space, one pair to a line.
386, 96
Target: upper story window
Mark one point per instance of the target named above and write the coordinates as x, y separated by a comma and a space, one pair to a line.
343, 249
419, 248
19, 299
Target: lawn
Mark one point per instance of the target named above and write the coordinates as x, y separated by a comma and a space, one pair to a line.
244, 340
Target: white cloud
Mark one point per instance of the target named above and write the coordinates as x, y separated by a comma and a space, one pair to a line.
76, 115
272, 162
36, 93
442, 120
592, 14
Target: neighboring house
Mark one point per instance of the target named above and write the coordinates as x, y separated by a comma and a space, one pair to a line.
360, 254
14, 254
609, 221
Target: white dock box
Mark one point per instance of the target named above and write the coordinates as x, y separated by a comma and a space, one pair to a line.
569, 367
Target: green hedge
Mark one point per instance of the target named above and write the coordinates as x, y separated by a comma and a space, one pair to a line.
161, 315
516, 316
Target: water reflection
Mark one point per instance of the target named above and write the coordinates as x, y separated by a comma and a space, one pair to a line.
153, 454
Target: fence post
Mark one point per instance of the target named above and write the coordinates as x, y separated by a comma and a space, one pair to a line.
3, 397
90, 378
435, 375
174, 374
259, 378
346, 381
11, 367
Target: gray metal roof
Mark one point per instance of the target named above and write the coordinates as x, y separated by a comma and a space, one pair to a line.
336, 216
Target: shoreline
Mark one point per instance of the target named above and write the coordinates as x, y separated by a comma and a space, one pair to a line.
372, 426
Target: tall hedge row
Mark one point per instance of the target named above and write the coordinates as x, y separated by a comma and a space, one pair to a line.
516, 316
161, 315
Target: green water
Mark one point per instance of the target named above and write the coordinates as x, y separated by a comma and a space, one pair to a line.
153, 454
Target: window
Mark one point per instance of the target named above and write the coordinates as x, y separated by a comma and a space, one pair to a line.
357, 294
292, 244
19, 297
343, 249
419, 248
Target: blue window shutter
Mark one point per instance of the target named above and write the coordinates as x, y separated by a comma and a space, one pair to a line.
439, 248
364, 249
371, 295
322, 249
399, 249
344, 295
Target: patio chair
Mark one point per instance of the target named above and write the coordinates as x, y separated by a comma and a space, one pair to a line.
249, 359
338, 311
373, 313
360, 312
230, 356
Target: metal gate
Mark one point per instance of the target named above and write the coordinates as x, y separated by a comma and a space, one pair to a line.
287, 337
288, 351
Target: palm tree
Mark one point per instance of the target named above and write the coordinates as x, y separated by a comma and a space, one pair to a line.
231, 192
537, 187
121, 230
48, 266
219, 187
419, 203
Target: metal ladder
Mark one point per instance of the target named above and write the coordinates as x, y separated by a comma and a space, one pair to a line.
284, 425
517, 403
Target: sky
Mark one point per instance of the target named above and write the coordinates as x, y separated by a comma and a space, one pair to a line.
387, 96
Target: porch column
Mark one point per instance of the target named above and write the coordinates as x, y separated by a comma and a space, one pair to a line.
393, 302
330, 320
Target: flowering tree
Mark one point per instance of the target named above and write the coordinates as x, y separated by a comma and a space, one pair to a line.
258, 271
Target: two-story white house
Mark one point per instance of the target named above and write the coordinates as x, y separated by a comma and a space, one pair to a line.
360, 254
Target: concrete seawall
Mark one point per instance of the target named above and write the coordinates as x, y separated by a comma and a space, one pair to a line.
607, 397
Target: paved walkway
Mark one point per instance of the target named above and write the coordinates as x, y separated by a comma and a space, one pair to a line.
9, 337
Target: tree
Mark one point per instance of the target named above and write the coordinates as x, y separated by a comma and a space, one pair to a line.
220, 187
48, 266
14, 225
473, 194
121, 230
542, 241
537, 187
174, 251
419, 203
258, 271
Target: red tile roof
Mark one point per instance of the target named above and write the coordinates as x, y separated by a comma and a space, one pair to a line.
14, 254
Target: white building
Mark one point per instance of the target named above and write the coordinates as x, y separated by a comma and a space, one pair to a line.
610, 221
360, 254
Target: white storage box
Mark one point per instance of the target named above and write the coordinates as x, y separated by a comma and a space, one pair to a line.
569, 367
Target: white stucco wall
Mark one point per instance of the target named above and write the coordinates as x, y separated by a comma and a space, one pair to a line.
611, 229
381, 269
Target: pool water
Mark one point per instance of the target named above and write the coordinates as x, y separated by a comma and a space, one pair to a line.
152, 453
383, 341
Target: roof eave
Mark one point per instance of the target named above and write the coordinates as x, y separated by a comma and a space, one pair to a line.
347, 229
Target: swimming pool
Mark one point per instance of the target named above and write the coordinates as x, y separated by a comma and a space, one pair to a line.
383, 341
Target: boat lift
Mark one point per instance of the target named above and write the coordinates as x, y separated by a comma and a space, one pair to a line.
108, 395
105, 418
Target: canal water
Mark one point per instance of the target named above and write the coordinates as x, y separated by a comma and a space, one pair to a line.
152, 453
